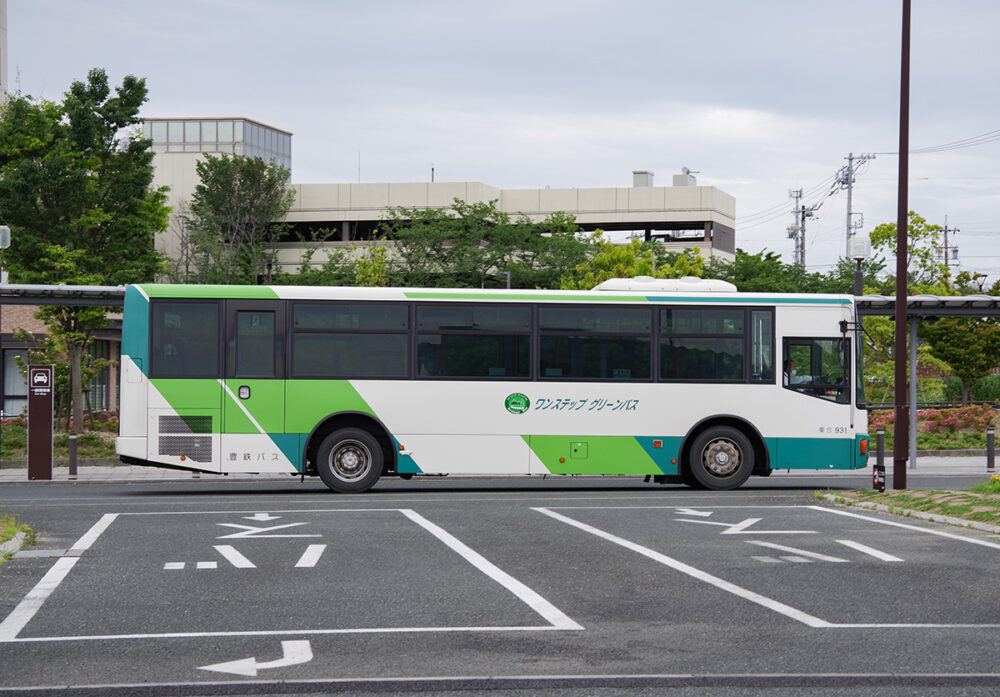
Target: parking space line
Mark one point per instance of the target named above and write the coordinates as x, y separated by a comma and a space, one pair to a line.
543, 607
721, 584
795, 551
310, 557
234, 557
865, 549
893, 523
36, 597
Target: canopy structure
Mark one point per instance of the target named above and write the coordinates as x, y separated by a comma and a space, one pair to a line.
920, 307
12, 294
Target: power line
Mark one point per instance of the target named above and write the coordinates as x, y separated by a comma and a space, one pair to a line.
981, 139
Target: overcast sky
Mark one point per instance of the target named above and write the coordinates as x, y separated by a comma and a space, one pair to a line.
759, 97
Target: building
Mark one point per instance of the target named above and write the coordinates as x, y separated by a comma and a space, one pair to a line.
683, 215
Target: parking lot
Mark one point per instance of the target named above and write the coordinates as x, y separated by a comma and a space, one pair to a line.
201, 585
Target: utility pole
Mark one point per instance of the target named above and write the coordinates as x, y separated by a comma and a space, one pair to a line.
953, 230
797, 231
794, 231
845, 180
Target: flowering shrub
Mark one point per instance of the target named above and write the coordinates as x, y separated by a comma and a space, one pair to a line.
972, 418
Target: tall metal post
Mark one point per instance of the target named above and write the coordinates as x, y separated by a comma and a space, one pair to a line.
850, 190
901, 440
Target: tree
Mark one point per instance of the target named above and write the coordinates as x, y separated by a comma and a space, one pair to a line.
630, 260
923, 242
764, 272
231, 220
468, 244
970, 346
75, 189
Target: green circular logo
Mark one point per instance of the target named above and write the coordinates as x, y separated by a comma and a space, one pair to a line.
517, 403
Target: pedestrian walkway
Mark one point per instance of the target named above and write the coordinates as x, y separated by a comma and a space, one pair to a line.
930, 465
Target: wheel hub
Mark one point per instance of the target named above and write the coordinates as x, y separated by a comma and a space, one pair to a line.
722, 457
351, 461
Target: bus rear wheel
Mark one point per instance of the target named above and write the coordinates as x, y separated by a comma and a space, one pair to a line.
350, 460
721, 458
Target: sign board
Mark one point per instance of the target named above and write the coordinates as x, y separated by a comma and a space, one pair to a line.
41, 386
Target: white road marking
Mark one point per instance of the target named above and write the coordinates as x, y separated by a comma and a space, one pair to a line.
767, 560
234, 557
741, 527
691, 511
796, 552
173, 566
797, 560
253, 531
878, 554
310, 557
543, 607
208, 565
261, 516
769, 603
926, 531
293, 653
32, 602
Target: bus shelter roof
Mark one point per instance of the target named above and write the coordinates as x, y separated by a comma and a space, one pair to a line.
932, 305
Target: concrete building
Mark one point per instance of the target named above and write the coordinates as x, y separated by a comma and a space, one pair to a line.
683, 215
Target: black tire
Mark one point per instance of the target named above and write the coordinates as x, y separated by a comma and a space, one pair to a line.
721, 458
350, 460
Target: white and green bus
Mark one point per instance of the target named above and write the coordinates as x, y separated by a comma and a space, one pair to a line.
679, 380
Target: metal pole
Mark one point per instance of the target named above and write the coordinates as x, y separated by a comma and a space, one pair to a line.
850, 181
990, 448
71, 443
878, 473
913, 392
901, 445
859, 280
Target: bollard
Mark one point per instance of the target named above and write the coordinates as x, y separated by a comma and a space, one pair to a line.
990, 442
71, 444
878, 471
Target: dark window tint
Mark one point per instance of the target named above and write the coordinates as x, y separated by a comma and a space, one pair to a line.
595, 357
473, 356
185, 341
608, 320
359, 316
701, 359
702, 320
350, 340
702, 343
480, 318
255, 344
345, 355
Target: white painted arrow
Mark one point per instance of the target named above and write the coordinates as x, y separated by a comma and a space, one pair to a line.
691, 511
261, 516
295, 652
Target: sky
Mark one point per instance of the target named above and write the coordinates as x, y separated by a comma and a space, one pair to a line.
757, 97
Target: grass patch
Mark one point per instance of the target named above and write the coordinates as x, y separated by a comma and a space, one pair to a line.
10, 525
14, 444
981, 503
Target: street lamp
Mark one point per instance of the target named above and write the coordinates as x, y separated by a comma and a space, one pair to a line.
4, 243
860, 249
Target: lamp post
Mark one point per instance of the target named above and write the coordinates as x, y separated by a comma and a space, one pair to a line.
4, 243
860, 249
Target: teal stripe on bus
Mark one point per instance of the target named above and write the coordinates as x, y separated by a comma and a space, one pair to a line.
135, 330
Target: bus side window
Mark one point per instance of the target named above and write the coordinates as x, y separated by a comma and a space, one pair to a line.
185, 340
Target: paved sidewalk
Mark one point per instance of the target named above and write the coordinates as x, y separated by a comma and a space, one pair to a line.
933, 465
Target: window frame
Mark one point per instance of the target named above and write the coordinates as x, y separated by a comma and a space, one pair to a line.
540, 333
154, 372
530, 333
292, 333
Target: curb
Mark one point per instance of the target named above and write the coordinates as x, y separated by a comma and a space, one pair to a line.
907, 513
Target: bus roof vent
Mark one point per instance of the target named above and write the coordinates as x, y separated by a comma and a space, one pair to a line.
688, 284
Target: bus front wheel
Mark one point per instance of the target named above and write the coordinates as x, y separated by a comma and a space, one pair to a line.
349, 460
721, 458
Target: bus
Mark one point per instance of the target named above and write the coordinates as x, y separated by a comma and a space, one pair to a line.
682, 381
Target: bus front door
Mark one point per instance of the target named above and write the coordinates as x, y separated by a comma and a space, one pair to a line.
253, 413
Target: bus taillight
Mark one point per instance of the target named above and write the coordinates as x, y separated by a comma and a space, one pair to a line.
864, 446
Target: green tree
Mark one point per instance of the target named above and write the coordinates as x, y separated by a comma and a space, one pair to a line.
76, 191
970, 346
923, 241
231, 226
764, 272
630, 260
468, 244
